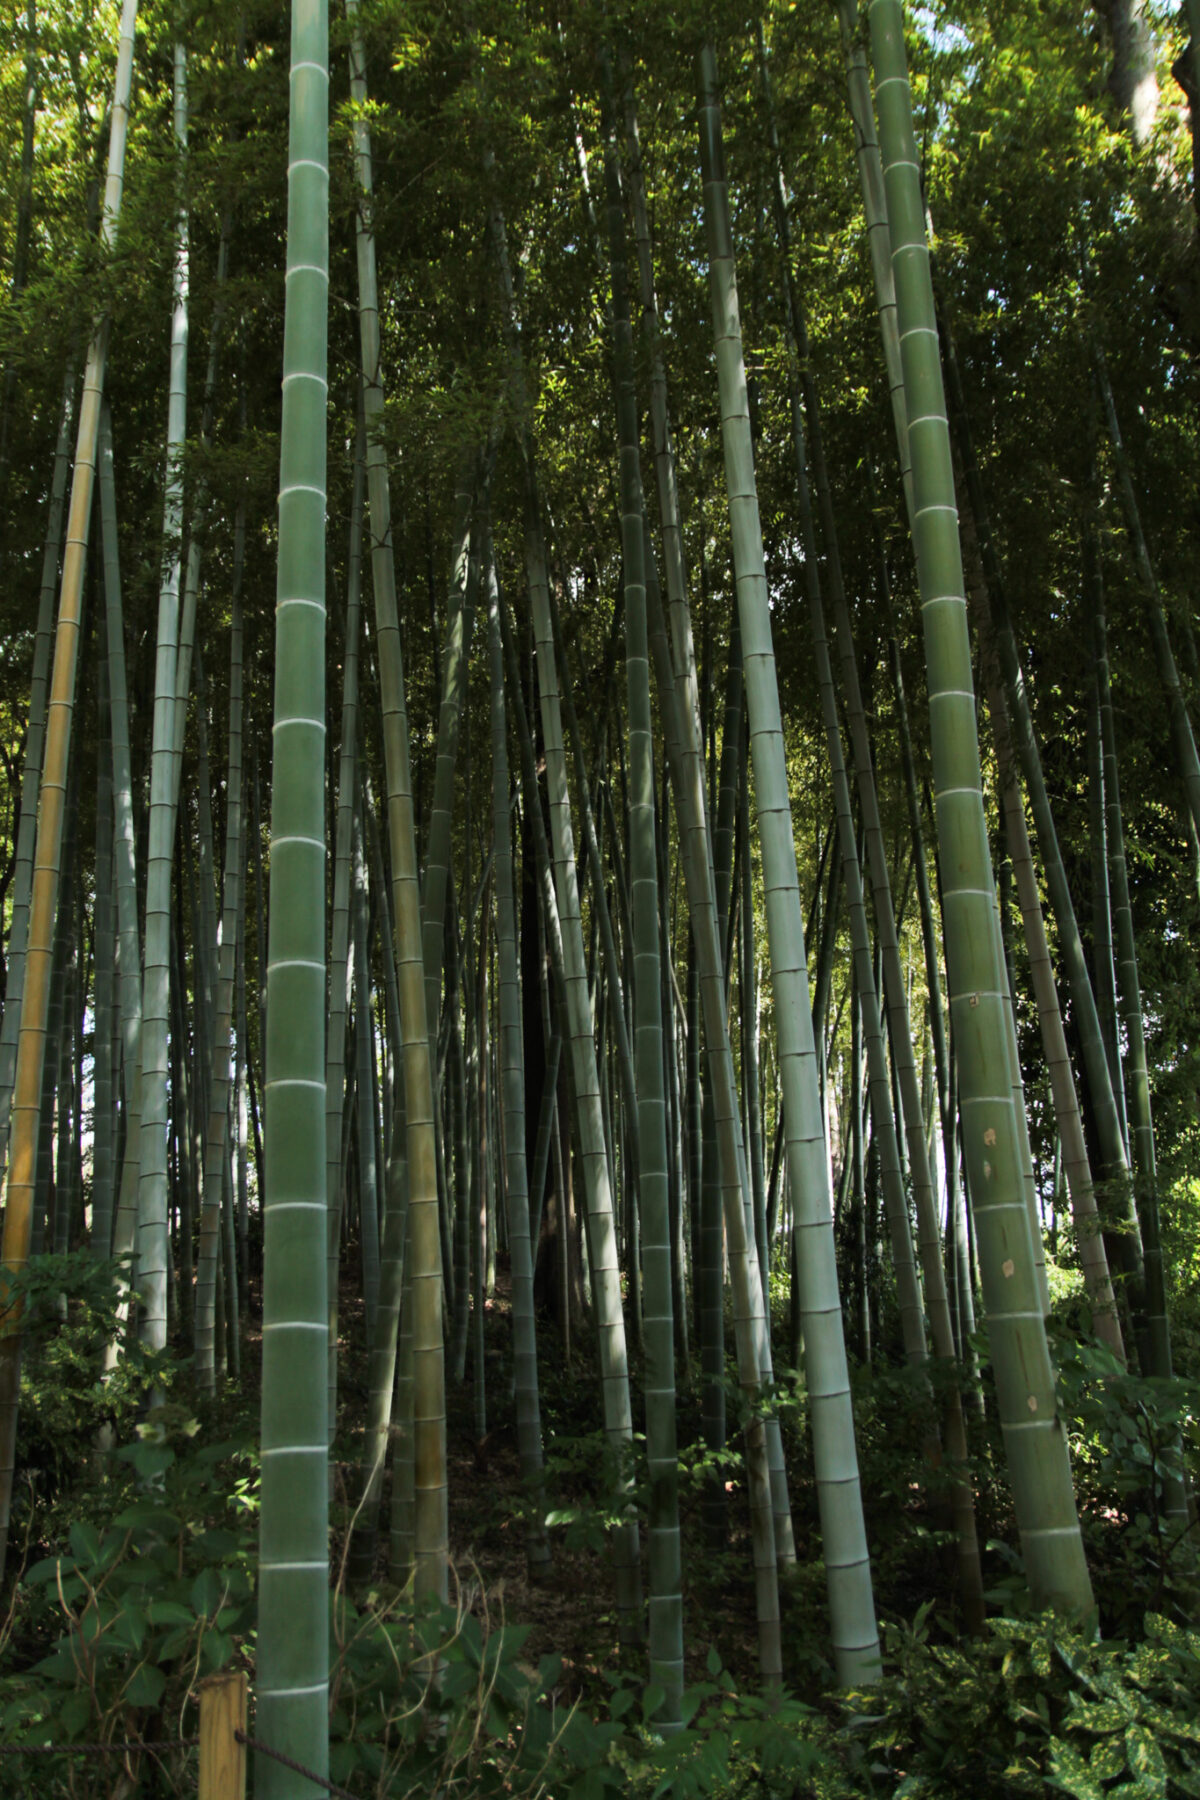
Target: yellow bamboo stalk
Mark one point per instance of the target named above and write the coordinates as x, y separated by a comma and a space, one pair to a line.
31, 1045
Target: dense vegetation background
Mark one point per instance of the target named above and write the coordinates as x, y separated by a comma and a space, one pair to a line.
1057, 164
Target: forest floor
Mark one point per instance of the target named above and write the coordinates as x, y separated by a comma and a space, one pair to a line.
572, 1614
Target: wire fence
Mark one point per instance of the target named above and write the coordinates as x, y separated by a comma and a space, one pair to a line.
331, 1787
130, 1746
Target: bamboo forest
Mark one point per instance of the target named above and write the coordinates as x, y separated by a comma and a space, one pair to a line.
599, 891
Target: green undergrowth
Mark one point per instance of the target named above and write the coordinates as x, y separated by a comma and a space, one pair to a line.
107, 1638
1033, 1707
138, 1580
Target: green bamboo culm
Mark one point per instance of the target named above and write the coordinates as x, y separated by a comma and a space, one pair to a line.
216, 1153
665, 1559
848, 1570
153, 1212
1034, 1439
129, 971
339, 950
104, 954
293, 1604
412, 1197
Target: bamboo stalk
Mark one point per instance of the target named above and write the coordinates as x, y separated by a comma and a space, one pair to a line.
512, 1082
152, 1171
31, 1045
216, 1154
292, 1699
665, 1553
1036, 1447
856, 1643
31, 771
340, 973
421, 1266
104, 1115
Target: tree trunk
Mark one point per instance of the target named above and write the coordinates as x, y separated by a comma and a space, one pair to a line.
1132, 80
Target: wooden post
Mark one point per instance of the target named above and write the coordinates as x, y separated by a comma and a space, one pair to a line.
222, 1756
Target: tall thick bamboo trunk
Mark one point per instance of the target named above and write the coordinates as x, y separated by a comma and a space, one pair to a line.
886, 1123
1034, 1440
291, 1690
